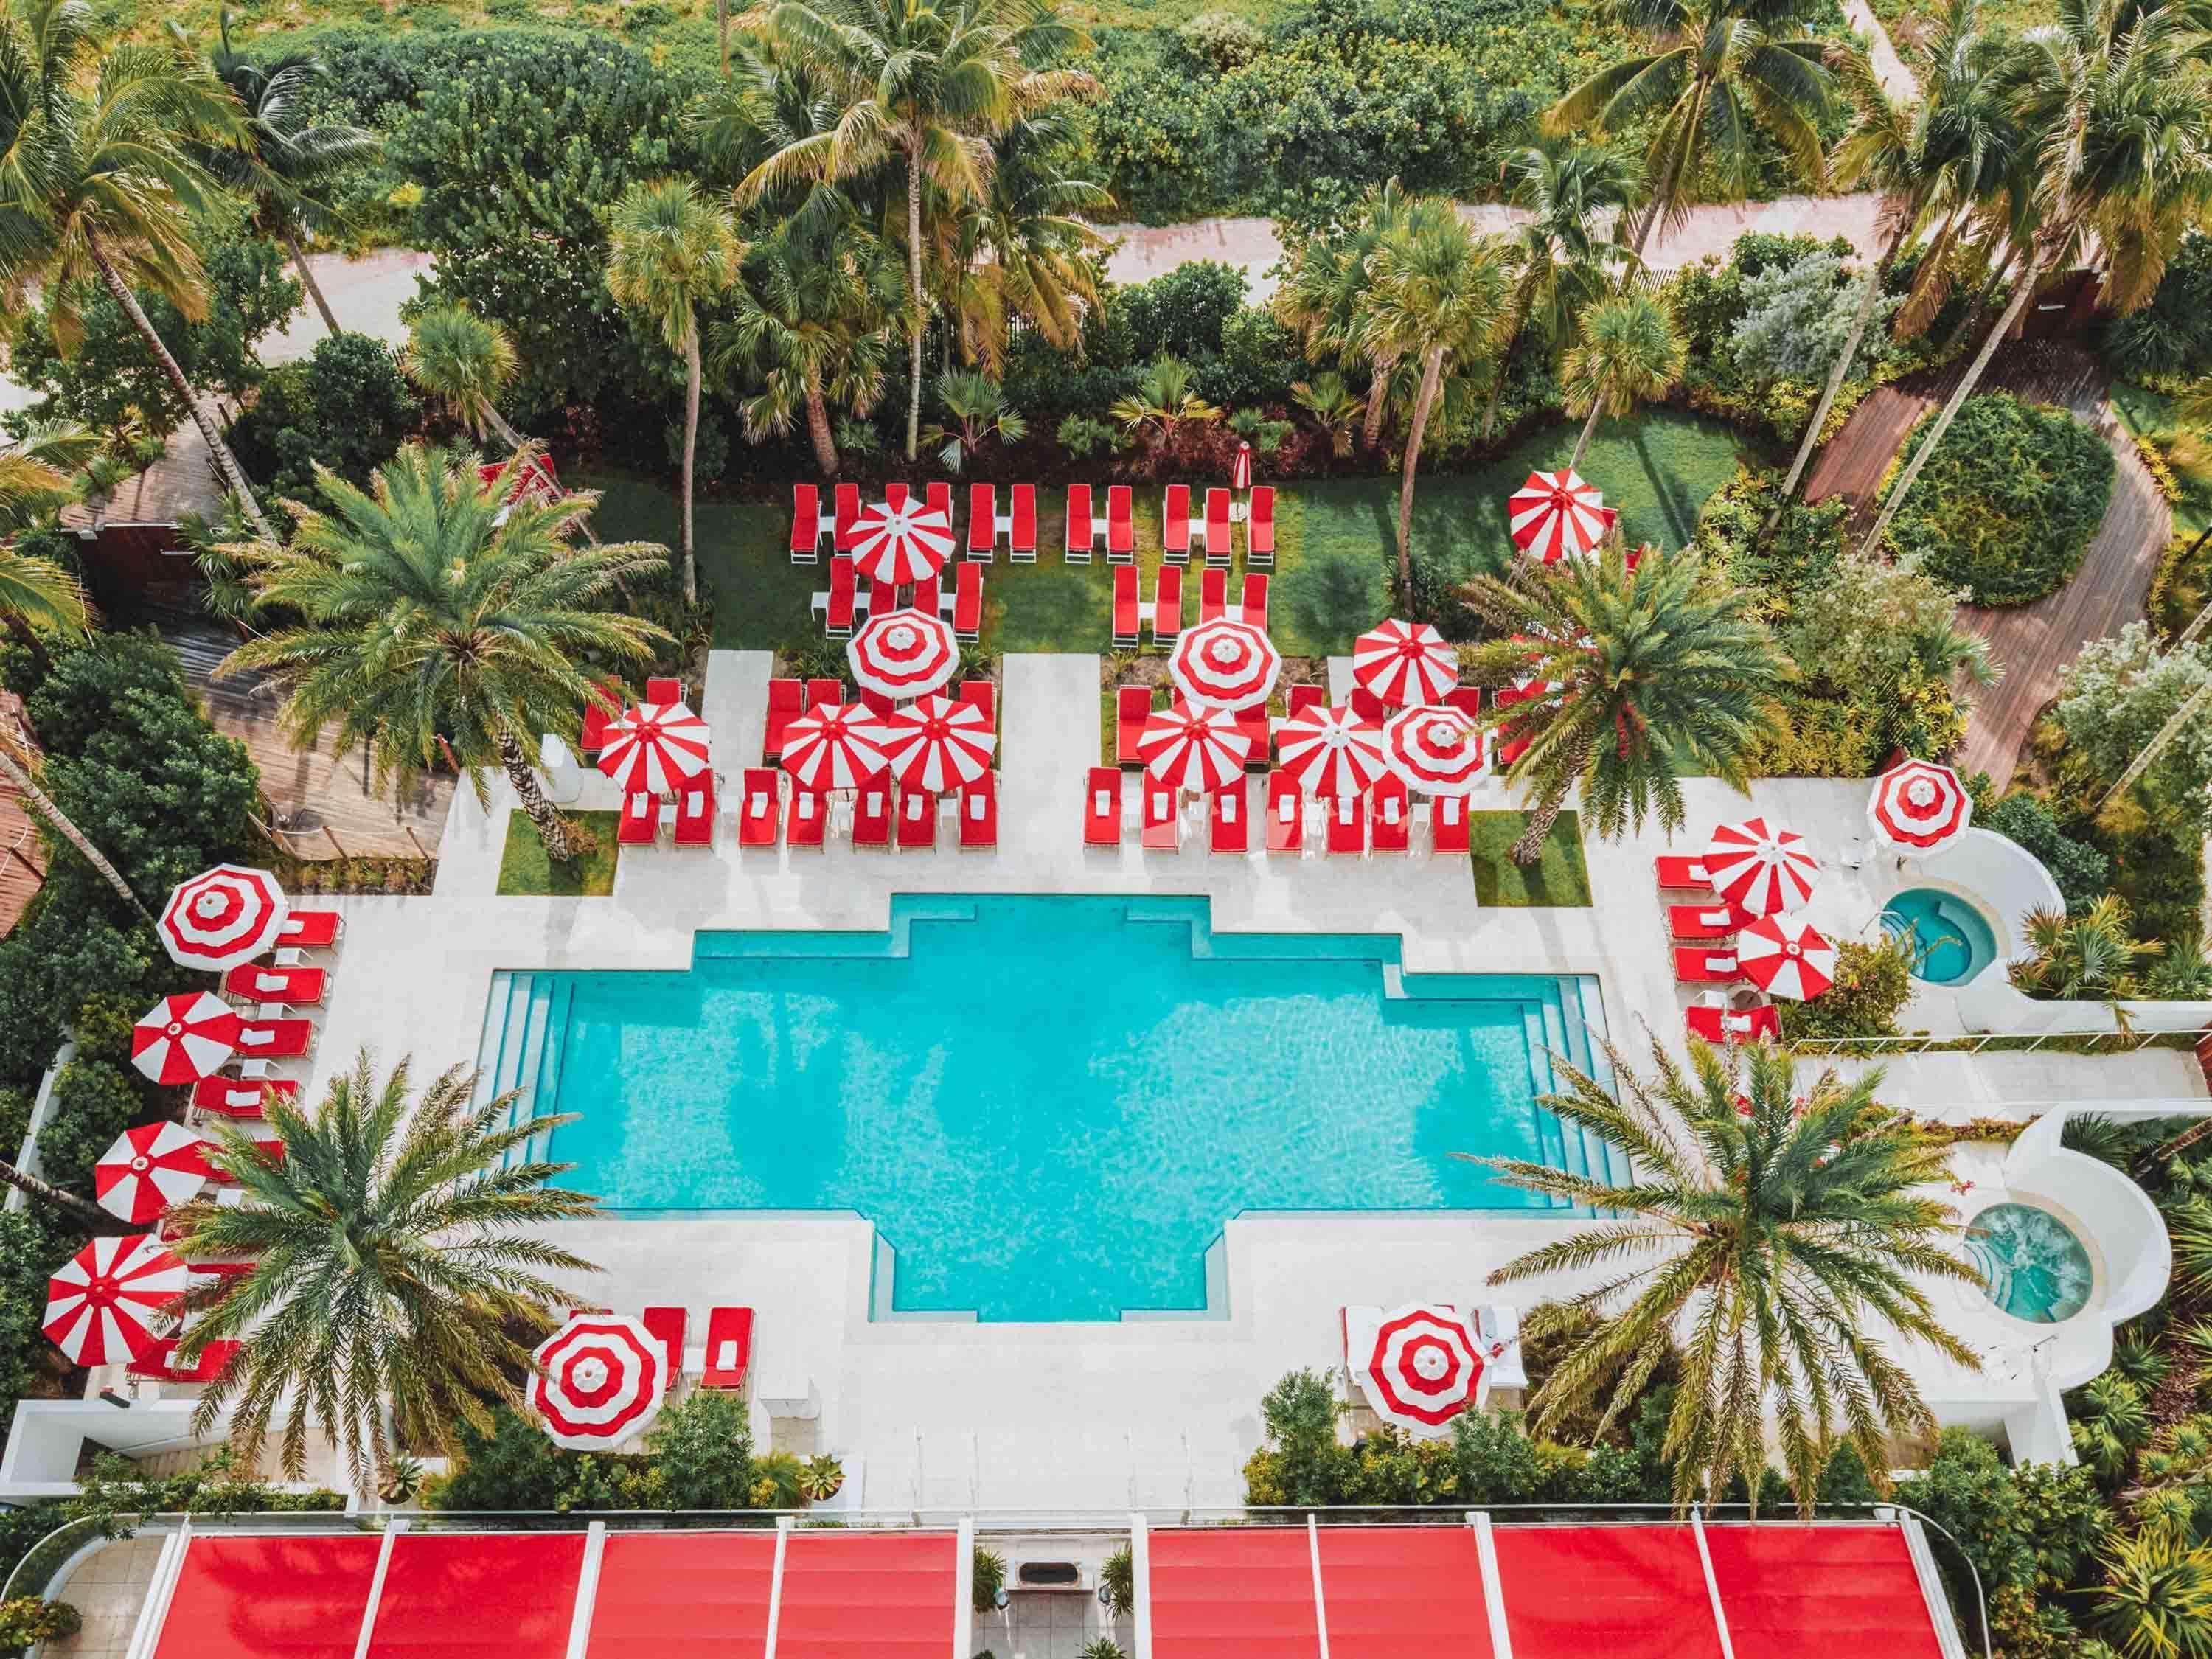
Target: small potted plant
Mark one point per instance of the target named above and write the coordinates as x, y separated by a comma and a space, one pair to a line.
822, 1479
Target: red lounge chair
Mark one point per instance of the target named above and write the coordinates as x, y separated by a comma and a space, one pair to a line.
1394, 815
1683, 872
871, 810
883, 597
1230, 821
839, 604
664, 688
894, 496
312, 930
601, 704
849, 514
1303, 697
1447, 824
937, 496
667, 1326
304, 986
805, 523
1252, 727
1720, 1025
1167, 605
276, 1039
1260, 530
1126, 611
985, 696
979, 813
1120, 531
1696, 965
1102, 807
1286, 814
1467, 699
228, 1097
1702, 922
1163, 824
807, 822
640, 821
729, 1348
1021, 534
160, 1363
878, 705
1082, 529
760, 795
1347, 824
929, 596
1175, 525
824, 694
787, 702
983, 522
917, 820
694, 815
1255, 608
1132, 707
1218, 549
1212, 595
1366, 705
968, 604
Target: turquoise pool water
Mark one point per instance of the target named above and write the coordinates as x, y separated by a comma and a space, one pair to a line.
1047, 1106
2036, 1269
1951, 940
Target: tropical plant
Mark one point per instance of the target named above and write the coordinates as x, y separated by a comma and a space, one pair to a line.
928, 84
1764, 1232
398, 1270
37, 803
980, 415
436, 616
1439, 299
823, 1479
283, 161
2156, 1599
1117, 1582
1334, 407
779, 1480
672, 251
1659, 670
401, 1481
464, 363
98, 180
990, 1575
1629, 352
1163, 401
2093, 954
36, 468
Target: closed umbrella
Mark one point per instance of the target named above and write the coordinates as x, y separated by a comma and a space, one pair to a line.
1331, 751
1437, 750
901, 545
1225, 664
654, 748
1918, 806
1761, 867
936, 744
1785, 956
149, 1169
222, 917
904, 653
1240, 470
1555, 515
1194, 748
1403, 663
832, 747
598, 1380
185, 1037
102, 1305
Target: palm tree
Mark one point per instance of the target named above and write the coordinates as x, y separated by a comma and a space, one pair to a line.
82, 1212
671, 252
437, 614
463, 362
979, 413
1628, 354
815, 312
1439, 298
2090, 955
929, 83
1164, 400
1660, 670
1772, 1243
398, 1262
97, 169
283, 162
1334, 407
2115, 119
36, 473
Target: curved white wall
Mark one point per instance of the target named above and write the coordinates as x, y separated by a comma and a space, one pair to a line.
2000, 877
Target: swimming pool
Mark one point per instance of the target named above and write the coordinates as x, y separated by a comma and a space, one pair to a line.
2036, 1269
1047, 1105
1951, 941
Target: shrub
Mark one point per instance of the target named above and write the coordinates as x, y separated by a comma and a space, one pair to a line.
1797, 316
1819, 737
2172, 335
1221, 39
517, 1468
2083, 873
347, 408
1117, 1582
704, 1447
1873, 981
1799, 556
29, 1619
989, 1577
33, 1242
92, 1102
2006, 507
2115, 697
1303, 1463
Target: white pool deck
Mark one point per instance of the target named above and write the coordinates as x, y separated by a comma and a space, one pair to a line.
1089, 1415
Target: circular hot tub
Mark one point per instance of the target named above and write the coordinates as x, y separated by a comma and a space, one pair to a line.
2036, 1269
1952, 939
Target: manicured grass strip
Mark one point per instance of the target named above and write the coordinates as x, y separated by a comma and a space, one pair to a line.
1559, 878
525, 872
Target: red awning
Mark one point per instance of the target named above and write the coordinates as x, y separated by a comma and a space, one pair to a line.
1410, 1588
479, 1595
887, 1595
704, 1594
1233, 1592
1820, 1592
1621, 1592
269, 1598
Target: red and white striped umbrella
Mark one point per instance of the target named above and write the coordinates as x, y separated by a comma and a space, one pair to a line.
904, 653
102, 1305
148, 1170
1784, 956
1194, 748
654, 747
185, 1038
1760, 867
1404, 663
597, 1379
1556, 515
1331, 751
1225, 664
222, 917
936, 744
833, 747
901, 545
1919, 806
1240, 470
1437, 750
1423, 1369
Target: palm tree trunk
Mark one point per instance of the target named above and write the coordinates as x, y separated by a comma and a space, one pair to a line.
1590, 426
1378, 391
2021, 296
1529, 848
1432, 377
308, 281
1990, 286
89, 1216
552, 829
817, 428
691, 378
234, 476
913, 326
36, 800
1836, 377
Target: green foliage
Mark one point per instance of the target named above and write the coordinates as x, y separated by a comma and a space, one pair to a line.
347, 408
1223, 40
1305, 1464
33, 1242
92, 1104
2083, 873
2156, 1599
990, 1575
28, 1619
1084, 435
2172, 335
2094, 953
1799, 554
1117, 1579
2006, 507
1797, 316
2114, 698
702, 1446
512, 1465
1873, 981
779, 1481
2111, 1423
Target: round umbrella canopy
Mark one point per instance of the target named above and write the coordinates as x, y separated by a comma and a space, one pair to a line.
1240, 470
1919, 806
654, 747
222, 917
1555, 515
148, 1170
597, 1379
901, 544
1194, 748
1225, 664
1423, 1368
904, 653
936, 744
185, 1037
1404, 663
1785, 958
1331, 751
1437, 751
102, 1306
1761, 867
833, 747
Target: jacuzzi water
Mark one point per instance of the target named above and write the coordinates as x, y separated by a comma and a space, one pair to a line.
2036, 1269
1951, 941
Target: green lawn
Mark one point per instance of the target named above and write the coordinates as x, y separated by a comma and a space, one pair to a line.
1559, 878
525, 872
